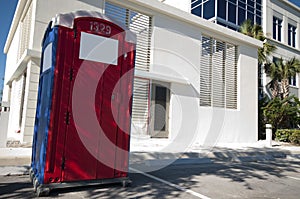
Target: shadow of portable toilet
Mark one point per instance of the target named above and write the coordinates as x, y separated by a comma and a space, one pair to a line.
81, 135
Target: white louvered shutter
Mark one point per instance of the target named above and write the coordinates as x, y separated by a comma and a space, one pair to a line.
231, 76
218, 80
25, 32
205, 72
141, 25
218, 74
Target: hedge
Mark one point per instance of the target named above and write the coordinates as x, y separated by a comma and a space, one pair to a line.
288, 135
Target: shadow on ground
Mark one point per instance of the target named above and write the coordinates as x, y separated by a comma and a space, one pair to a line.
144, 187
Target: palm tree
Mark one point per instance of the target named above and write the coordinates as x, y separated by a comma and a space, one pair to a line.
255, 31
282, 70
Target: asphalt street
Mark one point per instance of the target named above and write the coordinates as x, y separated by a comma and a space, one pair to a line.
265, 179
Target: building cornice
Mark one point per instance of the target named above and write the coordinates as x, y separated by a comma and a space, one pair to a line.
189, 18
284, 46
291, 5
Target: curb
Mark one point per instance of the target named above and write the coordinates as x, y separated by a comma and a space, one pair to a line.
157, 159
14, 170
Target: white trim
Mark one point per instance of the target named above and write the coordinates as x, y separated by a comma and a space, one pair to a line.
22, 64
191, 19
160, 77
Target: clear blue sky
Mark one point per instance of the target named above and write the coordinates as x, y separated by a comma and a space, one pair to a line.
7, 10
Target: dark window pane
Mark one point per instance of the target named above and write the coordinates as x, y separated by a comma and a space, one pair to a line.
289, 35
250, 8
258, 1
222, 9
197, 11
294, 38
279, 30
241, 16
209, 9
258, 7
258, 20
242, 5
250, 3
231, 13
250, 16
232, 1
274, 28
160, 108
258, 13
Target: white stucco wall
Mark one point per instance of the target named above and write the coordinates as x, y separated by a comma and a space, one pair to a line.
46, 10
176, 50
290, 14
184, 5
176, 53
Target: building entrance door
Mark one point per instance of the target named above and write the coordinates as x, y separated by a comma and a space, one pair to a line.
160, 100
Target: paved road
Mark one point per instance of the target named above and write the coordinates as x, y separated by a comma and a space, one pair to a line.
267, 179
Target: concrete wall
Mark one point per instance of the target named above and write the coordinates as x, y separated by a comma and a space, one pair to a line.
175, 56
4, 115
184, 5
176, 52
46, 10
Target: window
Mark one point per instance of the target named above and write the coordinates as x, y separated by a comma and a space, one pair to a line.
208, 9
277, 24
232, 12
203, 8
291, 35
218, 74
235, 12
292, 81
222, 9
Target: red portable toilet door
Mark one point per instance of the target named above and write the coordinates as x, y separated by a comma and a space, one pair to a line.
90, 144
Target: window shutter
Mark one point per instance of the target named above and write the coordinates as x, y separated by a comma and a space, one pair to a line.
141, 25
25, 32
231, 76
205, 72
218, 74
218, 80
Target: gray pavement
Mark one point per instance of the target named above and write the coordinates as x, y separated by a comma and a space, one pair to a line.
240, 171
262, 179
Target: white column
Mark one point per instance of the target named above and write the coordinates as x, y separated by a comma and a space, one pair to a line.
298, 35
284, 30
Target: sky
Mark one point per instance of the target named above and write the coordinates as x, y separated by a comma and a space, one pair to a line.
7, 10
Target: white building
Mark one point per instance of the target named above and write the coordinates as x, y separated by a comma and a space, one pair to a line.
280, 20
195, 81
281, 23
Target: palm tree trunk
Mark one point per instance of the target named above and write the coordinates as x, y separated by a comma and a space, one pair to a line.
275, 89
285, 88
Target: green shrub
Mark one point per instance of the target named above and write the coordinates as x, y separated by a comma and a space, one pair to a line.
282, 114
283, 135
295, 137
288, 135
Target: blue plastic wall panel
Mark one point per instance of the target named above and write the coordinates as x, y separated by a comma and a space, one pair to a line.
43, 111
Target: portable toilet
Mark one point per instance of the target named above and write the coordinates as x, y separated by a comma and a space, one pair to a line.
82, 123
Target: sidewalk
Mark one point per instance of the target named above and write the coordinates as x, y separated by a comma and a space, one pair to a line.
152, 152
